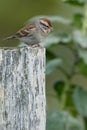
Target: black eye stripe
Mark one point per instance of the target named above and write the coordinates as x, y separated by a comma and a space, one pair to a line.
44, 24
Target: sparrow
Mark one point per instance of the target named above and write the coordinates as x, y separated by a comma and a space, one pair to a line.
33, 33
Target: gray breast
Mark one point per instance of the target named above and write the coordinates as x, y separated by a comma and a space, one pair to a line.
31, 39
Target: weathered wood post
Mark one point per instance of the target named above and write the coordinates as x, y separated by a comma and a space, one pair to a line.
22, 89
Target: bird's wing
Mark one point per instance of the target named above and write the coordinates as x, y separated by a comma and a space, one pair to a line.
25, 31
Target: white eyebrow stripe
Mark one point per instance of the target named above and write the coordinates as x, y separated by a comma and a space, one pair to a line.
45, 23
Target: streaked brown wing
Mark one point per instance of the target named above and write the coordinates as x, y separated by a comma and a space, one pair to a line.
25, 30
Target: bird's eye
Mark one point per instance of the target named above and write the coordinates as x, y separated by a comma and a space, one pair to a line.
47, 26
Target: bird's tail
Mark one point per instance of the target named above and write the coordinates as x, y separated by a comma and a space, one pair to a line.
10, 37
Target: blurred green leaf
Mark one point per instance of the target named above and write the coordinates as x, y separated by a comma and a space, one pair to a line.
69, 101
83, 67
80, 101
80, 39
51, 40
65, 37
59, 87
50, 55
67, 56
77, 20
57, 38
52, 65
61, 120
83, 55
75, 2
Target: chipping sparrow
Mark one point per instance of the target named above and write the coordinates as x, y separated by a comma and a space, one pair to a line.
32, 34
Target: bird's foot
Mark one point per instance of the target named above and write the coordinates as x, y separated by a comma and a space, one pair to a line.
36, 45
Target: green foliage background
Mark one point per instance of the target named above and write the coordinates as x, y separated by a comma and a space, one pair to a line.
66, 54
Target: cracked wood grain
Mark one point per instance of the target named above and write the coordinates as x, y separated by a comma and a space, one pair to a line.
22, 89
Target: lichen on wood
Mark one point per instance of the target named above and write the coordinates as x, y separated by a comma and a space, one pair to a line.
22, 88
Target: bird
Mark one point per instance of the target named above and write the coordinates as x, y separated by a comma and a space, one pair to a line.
32, 34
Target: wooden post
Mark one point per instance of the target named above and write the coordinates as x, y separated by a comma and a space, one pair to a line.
22, 89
